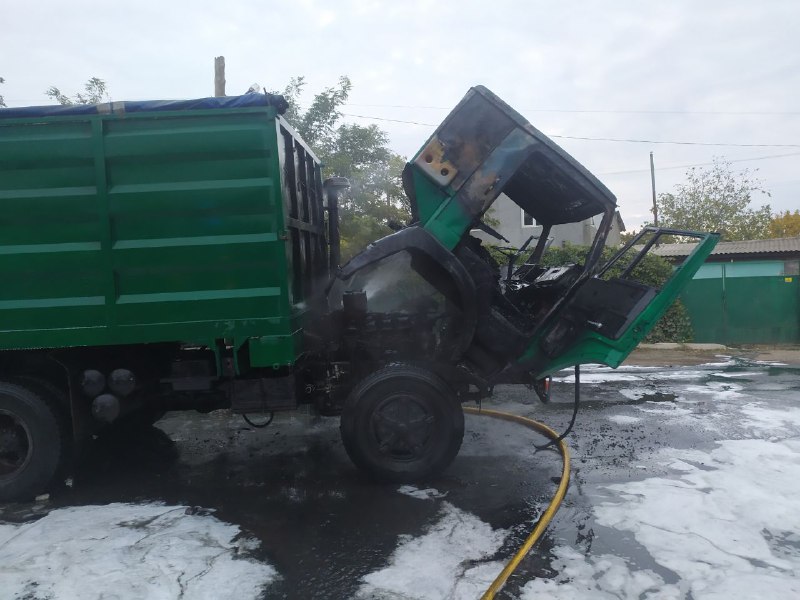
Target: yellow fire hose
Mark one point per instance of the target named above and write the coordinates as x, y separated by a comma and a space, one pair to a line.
552, 508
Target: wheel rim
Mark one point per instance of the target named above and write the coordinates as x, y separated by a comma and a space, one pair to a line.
402, 427
16, 445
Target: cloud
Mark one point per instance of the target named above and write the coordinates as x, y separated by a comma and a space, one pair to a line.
713, 56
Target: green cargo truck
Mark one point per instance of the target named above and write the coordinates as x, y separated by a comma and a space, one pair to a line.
184, 255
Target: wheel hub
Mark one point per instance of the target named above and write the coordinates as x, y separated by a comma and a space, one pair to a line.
15, 446
402, 427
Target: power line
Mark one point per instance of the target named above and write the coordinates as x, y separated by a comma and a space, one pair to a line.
602, 139
389, 120
704, 164
761, 113
396, 106
609, 111
735, 145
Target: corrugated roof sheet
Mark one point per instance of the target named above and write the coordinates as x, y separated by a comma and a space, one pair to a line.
776, 245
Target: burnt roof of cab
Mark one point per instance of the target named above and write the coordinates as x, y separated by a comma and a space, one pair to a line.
540, 176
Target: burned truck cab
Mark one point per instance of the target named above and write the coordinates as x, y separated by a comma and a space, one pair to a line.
521, 318
485, 148
482, 149
430, 297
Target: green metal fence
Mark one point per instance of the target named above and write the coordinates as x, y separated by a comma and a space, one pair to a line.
754, 302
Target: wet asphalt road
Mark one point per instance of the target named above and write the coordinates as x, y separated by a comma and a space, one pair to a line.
323, 526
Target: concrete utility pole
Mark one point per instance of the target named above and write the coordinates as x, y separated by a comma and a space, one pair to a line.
653, 181
219, 76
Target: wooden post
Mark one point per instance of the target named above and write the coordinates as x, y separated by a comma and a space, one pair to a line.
653, 182
219, 76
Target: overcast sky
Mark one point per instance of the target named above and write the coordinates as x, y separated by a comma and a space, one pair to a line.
724, 72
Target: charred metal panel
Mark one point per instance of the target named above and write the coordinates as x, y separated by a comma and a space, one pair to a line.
421, 243
497, 169
471, 132
484, 147
546, 189
434, 164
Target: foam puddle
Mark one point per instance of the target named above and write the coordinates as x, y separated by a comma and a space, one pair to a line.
119, 551
603, 577
725, 522
421, 494
624, 419
441, 562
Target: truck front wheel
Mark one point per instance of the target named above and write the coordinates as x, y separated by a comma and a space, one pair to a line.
402, 424
30, 442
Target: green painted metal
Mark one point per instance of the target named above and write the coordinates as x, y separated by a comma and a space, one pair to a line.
449, 223
751, 302
429, 196
187, 226
439, 211
592, 347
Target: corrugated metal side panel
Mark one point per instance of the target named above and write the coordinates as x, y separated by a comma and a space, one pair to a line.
195, 220
50, 251
160, 228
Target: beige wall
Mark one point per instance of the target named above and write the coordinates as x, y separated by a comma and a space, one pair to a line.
511, 226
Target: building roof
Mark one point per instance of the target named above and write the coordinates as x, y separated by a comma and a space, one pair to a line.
620, 222
771, 246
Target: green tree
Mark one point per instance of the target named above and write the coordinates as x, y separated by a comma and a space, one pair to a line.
717, 199
94, 92
2, 101
360, 153
785, 224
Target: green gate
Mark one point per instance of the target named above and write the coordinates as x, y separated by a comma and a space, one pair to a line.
756, 302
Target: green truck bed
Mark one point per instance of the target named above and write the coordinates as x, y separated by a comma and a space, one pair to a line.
155, 225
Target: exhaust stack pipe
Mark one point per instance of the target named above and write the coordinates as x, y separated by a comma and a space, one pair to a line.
333, 187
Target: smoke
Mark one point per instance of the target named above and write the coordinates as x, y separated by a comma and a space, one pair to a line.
392, 285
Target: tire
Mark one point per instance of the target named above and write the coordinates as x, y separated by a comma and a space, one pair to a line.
31, 441
402, 424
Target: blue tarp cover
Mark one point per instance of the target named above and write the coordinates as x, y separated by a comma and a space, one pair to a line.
119, 108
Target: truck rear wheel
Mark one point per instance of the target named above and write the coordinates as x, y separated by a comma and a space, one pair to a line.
402, 424
31, 441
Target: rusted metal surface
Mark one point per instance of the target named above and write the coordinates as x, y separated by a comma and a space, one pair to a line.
433, 163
